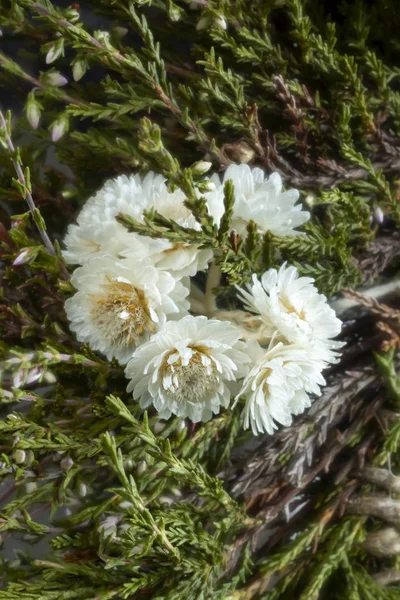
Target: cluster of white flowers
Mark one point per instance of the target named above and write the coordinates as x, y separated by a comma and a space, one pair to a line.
133, 298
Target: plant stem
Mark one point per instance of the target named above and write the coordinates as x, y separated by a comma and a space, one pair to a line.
213, 280
28, 196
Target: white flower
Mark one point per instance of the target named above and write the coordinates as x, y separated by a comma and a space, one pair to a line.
132, 196
120, 304
291, 305
86, 241
278, 385
187, 368
258, 199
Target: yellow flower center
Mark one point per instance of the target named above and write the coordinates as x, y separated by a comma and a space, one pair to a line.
121, 313
193, 381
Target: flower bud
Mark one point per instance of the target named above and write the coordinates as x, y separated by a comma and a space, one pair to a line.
72, 15
379, 215
19, 457
33, 110
207, 186
211, 21
79, 68
66, 463
82, 490
56, 79
220, 22
55, 50
201, 166
141, 468
174, 15
59, 127
25, 256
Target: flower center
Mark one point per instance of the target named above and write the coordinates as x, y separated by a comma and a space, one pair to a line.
121, 313
291, 309
189, 380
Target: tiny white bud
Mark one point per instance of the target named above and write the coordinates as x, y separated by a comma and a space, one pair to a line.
33, 111
141, 468
79, 69
174, 15
208, 186
55, 51
66, 463
120, 31
72, 15
56, 79
49, 377
220, 22
59, 127
19, 456
181, 425
379, 215
82, 490
309, 200
23, 258
128, 464
201, 166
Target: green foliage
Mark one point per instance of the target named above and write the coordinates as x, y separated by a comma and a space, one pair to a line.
133, 507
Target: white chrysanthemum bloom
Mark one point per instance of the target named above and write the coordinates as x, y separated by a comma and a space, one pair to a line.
259, 199
293, 307
120, 304
187, 368
97, 231
279, 384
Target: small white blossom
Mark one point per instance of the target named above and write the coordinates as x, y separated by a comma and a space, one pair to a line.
120, 304
279, 384
132, 196
258, 199
293, 307
188, 367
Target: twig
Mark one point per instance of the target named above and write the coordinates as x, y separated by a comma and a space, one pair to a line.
28, 196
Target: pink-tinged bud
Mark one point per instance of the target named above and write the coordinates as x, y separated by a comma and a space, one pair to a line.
59, 127
25, 256
57, 79
379, 215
